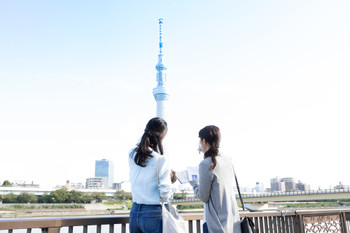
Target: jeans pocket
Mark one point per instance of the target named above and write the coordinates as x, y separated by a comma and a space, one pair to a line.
152, 224
133, 223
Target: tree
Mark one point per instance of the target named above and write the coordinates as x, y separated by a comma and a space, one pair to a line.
27, 198
75, 196
60, 196
122, 195
9, 198
98, 196
6, 183
181, 195
45, 198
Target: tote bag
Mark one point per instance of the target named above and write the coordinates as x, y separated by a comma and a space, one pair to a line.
172, 220
171, 223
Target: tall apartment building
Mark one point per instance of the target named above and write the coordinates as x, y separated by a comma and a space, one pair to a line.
277, 185
104, 168
289, 183
302, 187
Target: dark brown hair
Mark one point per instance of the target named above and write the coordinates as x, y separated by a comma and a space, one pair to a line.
212, 136
152, 137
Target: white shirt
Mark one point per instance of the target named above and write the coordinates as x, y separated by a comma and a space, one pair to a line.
144, 184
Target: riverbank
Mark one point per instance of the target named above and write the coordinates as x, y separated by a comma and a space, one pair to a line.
60, 210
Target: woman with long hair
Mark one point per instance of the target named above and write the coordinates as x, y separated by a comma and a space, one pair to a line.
146, 211
216, 185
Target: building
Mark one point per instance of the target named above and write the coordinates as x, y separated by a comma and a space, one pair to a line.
117, 186
160, 93
104, 168
289, 183
341, 186
277, 185
25, 184
302, 187
97, 183
259, 187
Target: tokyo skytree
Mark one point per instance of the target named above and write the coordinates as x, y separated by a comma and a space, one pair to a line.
160, 93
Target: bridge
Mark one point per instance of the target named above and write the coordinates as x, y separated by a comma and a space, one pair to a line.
260, 201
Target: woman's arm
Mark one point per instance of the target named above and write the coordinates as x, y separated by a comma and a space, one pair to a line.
202, 190
165, 191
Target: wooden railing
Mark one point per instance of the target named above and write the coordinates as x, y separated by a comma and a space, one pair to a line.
265, 222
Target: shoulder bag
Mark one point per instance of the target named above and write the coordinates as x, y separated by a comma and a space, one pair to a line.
172, 220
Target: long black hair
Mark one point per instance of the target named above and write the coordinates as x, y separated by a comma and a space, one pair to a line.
155, 131
212, 136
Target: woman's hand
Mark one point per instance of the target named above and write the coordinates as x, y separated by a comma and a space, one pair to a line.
194, 182
173, 176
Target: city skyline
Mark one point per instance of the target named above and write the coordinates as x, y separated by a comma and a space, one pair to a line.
76, 81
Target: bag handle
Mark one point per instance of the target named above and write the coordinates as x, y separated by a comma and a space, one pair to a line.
239, 191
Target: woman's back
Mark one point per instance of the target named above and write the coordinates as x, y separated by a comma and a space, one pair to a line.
221, 210
144, 184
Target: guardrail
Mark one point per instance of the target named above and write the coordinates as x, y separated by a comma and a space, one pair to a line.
281, 194
323, 191
337, 220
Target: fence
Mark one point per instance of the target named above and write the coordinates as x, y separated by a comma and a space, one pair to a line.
319, 221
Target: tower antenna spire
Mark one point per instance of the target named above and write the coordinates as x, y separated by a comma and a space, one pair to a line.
160, 35
160, 93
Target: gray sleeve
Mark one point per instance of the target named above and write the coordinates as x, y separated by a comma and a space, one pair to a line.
202, 190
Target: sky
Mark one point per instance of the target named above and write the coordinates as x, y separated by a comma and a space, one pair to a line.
76, 80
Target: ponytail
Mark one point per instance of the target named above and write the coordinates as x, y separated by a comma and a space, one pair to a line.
212, 136
152, 137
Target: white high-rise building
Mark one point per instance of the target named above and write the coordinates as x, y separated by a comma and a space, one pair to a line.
160, 93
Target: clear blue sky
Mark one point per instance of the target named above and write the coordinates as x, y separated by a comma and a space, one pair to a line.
76, 80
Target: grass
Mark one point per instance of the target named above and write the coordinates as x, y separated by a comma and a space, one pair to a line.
114, 203
316, 204
189, 207
17, 207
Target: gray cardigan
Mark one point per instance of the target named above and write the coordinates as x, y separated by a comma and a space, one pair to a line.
216, 190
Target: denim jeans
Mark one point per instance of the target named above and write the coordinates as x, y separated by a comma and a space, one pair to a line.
146, 218
205, 228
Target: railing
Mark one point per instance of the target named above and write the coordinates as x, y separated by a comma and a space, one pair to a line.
265, 222
278, 194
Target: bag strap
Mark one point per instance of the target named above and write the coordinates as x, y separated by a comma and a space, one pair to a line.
159, 164
239, 191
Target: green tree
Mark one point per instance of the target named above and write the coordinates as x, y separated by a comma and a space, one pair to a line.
98, 196
181, 195
75, 196
60, 196
122, 195
9, 198
45, 198
6, 183
86, 198
27, 198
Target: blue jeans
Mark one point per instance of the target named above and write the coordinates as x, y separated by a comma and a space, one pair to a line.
146, 218
205, 228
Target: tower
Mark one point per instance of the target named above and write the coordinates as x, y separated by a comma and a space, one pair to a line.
160, 92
